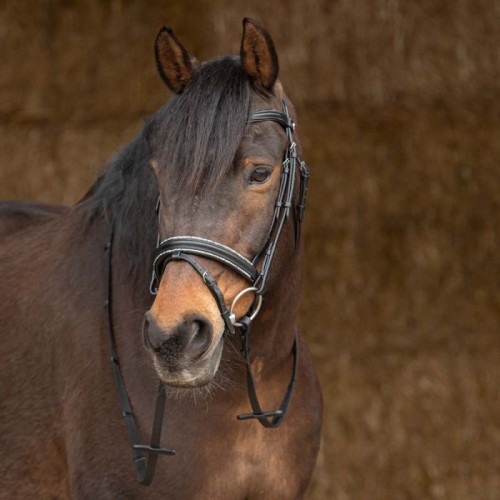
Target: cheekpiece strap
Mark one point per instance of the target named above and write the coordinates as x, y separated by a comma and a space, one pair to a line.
211, 283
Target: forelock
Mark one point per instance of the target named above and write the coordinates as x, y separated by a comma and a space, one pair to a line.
195, 136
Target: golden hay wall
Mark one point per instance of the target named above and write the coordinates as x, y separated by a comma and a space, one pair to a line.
400, 111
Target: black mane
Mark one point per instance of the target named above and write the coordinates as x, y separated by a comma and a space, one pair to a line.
193, 138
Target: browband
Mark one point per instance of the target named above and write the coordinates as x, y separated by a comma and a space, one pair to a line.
273, 116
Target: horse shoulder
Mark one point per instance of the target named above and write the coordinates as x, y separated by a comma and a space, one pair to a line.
298, 445
278, 463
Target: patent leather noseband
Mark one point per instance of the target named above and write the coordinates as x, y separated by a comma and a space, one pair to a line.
204, 248
185, 247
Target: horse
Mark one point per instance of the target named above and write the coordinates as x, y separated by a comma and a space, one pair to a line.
166, 294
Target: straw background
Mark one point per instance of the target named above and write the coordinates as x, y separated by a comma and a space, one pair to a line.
399, 107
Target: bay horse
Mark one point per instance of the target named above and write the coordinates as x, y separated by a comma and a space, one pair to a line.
167, 293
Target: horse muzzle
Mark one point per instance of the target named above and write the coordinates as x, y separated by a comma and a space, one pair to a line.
185, 355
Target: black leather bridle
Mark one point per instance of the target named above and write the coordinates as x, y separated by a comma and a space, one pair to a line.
187, 248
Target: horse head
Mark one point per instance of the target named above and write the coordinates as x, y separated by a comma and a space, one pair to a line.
218, 159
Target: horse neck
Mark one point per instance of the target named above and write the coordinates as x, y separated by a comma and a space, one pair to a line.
125, 198
122, 202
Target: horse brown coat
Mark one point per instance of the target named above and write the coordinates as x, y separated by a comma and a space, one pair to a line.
61, 431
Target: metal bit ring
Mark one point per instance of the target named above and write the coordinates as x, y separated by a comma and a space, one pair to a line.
232, 315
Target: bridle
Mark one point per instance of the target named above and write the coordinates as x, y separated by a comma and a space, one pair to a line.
187, 248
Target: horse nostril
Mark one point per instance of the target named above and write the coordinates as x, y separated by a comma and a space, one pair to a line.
152, 334
200, 337
189, 339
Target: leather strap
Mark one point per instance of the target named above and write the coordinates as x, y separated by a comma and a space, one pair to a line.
204, 248
145, 468
300, 208
211, 284
273, 418
273, 116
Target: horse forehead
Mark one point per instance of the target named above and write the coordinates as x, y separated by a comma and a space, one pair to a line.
263, 139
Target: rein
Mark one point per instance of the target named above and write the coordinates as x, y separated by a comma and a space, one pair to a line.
145, 468
185, 248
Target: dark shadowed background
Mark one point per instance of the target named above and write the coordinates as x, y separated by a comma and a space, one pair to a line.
399, 116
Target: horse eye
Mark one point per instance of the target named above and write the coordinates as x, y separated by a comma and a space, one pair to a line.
260, 175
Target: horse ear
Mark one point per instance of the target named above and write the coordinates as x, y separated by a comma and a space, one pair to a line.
173, 61
258, 55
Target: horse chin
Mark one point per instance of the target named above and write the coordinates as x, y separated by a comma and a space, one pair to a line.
190, 374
